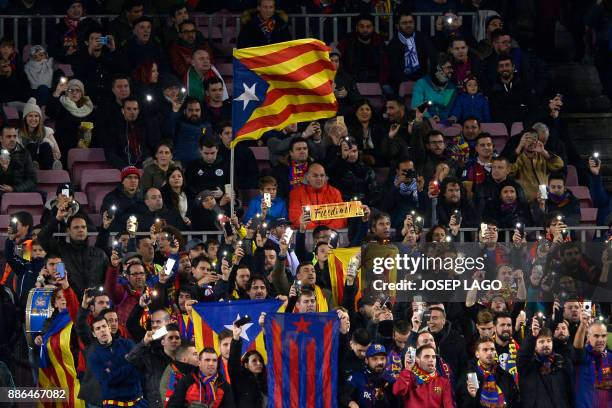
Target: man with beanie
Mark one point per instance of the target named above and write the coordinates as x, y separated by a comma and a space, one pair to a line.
142, 47
133, 139
17, 172
124, 196
122, 27
437, 88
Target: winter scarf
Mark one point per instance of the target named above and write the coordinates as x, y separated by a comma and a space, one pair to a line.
601, 366
39, 73
208, 384
296, 174
422, 377
409, 189
560, 200
74, 110
411, 58
491, 396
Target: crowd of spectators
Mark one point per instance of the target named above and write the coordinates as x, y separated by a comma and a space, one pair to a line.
147, 90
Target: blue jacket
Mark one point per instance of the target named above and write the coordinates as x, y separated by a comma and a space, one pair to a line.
122, 382
601, 198
471, 105
368, 389
186, 136
278, 209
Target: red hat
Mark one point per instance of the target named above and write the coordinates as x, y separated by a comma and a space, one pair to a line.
127, 171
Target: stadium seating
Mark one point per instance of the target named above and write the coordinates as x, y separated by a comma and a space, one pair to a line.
81, 159
31, 202
572, 176
583, 195
517, 127
95, 182
48, 180
373, 92
262, 155
495, 129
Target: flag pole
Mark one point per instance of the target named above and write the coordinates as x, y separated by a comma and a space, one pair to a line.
232, 179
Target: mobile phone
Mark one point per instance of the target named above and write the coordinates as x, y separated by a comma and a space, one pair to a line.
288, 234
587, 305
112, 211
104, 40
457, 214
228, 190
66, 192
267, 198
595, 158
13, 225
473, 378
411, 353
168, 266
385, 301
483, 229
540, 317
298, 287
243, 320
306, 209
171, 240
227, 226
520, 228
543, 191
435, 186
159, 333
60, 268
424, 106
132, 224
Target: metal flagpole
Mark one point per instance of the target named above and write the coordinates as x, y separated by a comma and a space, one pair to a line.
232, 180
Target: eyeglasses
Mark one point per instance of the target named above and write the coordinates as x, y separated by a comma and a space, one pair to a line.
137, 274
73, 91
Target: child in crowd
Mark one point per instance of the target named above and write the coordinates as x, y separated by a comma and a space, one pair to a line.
471, 103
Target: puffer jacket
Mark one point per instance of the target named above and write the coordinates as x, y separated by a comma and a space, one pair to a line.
305, 196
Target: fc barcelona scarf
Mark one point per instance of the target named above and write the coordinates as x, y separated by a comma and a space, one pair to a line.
296, 174
601, 365
207, 387
422, 377
491, 396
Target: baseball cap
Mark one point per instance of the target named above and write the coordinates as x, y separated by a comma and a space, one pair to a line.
193, 244
376, 349
277, 222
65, 186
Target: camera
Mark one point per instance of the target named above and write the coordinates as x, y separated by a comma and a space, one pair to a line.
424, 106
410, 174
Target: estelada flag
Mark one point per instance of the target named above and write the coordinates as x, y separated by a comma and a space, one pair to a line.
302, 359
210, 318
280, 84
56, 369
338, 263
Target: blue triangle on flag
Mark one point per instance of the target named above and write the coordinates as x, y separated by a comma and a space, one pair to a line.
249, 92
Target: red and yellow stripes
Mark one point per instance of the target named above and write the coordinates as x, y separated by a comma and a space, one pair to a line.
61, 372
299, 74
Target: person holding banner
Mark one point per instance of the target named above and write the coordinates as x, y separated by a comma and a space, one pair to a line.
248, 374
317, 191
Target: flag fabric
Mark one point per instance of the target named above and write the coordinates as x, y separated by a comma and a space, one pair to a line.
302, 359
56, 369
338, 263
279, 84
210, 318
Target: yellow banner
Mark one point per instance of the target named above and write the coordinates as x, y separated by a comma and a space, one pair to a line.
336, 210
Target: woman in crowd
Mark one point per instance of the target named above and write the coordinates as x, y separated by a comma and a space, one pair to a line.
38, 139
146, 88
73, 113
509, 208
174, 193
248, 374
368, 133
156, 169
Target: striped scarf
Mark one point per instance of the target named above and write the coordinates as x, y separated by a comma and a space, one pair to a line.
546, 363
208, 384
422, 377
185, 326
296, 174
601, 365
491, 396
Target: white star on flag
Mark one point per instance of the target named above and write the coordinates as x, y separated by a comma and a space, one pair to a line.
247, 96
245, 327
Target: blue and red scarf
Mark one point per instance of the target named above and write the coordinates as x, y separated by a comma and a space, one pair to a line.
491, 396
207, 387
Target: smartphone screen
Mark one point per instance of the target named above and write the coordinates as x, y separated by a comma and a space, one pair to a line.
60, 268
169, 266
288, 235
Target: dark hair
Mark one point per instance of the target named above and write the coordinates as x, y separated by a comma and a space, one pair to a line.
500, 158
302, 265
378, 217
191, 100
419, 351
130, 98
318, 229
501, 315
297, 140
433, 133
504, 58
174, 197
245, 359
143, 72
76, 216
364, 16
483, 340
172, 327
97, 319
225, 333
255, 278
24, 217
184, 348
429, 235
545, 332
361, 336
165, 142
556, 176
500, 32
201, 258
209, 350
402, 327
550, 217
396, 99
471, 118
130, 4
118, 77
483, 135
212, 81
209, 142
132, 265
110, 309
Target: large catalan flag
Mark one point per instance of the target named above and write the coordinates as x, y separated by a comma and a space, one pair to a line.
210, 318
302, 359
56, 368
279, 84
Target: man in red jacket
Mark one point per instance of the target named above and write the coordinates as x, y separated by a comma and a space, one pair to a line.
317, 191
421, 386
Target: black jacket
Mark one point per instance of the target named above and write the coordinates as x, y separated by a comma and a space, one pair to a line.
515, 103
85, 265
118, 151
395, 53
354, 180
246, 174
502, 379
538, 390
203, 176
445, 210
570, 210
251, 35
95, 73
66, 124
451, 346
248, 389
489, 191
20, 173
122, 201
146, 217
151, 361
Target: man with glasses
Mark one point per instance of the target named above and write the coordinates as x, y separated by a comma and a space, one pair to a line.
188, 40
437, 88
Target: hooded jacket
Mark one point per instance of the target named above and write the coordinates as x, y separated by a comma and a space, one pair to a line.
151, 360
509, 217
